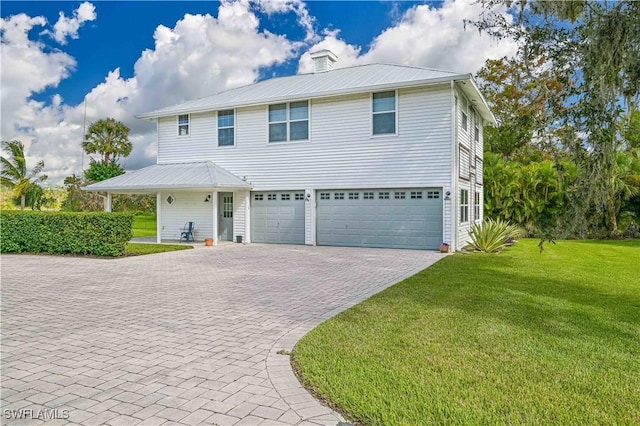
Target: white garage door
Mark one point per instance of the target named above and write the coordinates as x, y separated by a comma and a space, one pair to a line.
277, 217
394, 218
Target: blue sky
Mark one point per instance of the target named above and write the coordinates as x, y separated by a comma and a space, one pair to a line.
131, 57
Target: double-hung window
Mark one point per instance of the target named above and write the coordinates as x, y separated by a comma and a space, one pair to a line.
464, 119
183, 125
289, 121
384, 113
476, 206
226, 128
464, 205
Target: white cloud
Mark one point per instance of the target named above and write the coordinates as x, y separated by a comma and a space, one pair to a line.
198, 56
68, 27
424, 36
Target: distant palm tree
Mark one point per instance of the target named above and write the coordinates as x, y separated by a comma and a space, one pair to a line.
14, 174
109, 138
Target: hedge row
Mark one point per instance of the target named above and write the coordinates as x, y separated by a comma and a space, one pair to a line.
99, 234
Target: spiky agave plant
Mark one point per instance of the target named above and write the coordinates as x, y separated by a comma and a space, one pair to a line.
492, 236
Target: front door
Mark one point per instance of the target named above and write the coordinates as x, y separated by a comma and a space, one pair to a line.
225, 224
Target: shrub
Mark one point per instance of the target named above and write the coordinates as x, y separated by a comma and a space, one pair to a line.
99, 234
492, 236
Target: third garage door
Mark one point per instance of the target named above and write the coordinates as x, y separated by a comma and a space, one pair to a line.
393, 218
277, 217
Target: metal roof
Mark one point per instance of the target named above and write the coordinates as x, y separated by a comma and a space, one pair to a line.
198, 175
304, 86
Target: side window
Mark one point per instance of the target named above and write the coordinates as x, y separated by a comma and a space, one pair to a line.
464, 205
476, 206
464, 124
183, 125
384, 113
226, 128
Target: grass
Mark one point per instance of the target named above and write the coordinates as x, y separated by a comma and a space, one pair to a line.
144, 225
517, 338
138, 249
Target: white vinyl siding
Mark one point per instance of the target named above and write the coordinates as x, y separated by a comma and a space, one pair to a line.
342, 153
187, 207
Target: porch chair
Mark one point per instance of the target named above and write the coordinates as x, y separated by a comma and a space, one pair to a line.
187, 231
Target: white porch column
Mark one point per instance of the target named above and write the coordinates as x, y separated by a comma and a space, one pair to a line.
107, 202
158, 217
214, 213
247, 217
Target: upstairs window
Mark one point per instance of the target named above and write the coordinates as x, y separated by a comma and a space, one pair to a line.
226, 128
289, 122
384, 113
464, 118
183, 125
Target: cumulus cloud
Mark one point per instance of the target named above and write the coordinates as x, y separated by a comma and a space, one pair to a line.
29, 67
424, 36
198, 56
68, 27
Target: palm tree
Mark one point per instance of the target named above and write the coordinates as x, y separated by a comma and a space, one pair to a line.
109, 138
14, 173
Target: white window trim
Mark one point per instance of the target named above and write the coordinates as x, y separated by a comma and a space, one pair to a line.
288, 122
188, 126
464, 109
234, 127
476, 218
396, 100
463, 204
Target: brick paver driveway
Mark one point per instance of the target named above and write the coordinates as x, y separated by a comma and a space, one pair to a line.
186, 337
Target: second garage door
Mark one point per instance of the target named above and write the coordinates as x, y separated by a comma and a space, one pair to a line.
277, 217
393, 218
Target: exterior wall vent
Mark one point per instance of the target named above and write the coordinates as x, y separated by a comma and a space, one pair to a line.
323, 60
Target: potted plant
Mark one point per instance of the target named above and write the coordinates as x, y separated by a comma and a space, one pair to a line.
208, 241
444, 248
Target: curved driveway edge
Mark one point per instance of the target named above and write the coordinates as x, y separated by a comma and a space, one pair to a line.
186, 337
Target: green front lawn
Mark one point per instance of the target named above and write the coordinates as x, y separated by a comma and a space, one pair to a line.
519, 338
137, 249
144, 225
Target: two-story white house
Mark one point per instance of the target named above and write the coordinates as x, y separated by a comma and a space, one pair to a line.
369, 156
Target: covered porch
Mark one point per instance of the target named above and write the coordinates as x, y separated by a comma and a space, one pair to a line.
216, 200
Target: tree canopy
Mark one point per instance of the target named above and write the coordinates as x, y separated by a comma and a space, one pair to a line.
570, 94
109, 138
16, 176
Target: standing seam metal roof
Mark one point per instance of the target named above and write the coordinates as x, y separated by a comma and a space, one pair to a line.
204, 175
338, 81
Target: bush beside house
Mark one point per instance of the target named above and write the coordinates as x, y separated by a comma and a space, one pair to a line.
99, 234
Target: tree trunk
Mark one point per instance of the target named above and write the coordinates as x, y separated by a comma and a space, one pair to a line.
23, 201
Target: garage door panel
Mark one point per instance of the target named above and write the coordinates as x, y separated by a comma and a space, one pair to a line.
277, 217
398, 218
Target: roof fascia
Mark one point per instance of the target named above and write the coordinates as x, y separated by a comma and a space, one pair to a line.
329, 93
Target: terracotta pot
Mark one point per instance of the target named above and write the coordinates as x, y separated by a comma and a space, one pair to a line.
444, 248
208, 241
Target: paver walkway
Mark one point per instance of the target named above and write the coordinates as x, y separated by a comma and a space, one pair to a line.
187, 337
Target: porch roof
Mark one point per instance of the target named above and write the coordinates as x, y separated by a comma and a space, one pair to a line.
196, 175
